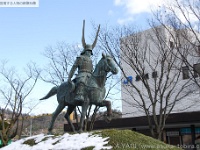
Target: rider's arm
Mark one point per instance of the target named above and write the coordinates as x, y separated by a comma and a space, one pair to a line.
73, 69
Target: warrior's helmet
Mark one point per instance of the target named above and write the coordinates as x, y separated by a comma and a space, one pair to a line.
88, 47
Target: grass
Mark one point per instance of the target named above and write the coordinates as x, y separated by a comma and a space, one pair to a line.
30, 142
123, 139
88, 148
130, 140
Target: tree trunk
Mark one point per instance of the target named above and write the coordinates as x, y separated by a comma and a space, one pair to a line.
4, 137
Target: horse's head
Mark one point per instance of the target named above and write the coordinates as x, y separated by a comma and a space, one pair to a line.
109, 64
104, 66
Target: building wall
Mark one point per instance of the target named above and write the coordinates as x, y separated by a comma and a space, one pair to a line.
148, 46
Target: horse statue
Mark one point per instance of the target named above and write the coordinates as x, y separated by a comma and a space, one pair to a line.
94, 93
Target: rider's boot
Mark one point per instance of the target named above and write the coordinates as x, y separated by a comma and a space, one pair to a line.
79, 98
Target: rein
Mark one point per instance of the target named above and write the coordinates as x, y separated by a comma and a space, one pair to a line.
109, 76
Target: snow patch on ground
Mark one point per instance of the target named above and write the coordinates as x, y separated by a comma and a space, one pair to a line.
66, 141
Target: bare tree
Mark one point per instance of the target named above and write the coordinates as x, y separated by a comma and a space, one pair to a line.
184, 18
14, 91
61, 58
158, 88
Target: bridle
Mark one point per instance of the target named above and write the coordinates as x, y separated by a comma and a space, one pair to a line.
108, 68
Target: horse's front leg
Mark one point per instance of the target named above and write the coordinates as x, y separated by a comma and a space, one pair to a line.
109, 109
83, 114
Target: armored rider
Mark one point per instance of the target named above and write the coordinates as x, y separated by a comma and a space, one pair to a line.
84, 65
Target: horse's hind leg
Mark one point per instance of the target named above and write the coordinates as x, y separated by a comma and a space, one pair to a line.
109, 110
59, 108
70, 109
83, 114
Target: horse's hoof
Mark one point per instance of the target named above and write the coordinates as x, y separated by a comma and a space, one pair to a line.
74, 131
49, 133
80, 131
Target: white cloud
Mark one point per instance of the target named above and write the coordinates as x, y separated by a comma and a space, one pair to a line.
118, 2
135, 7
189, 14
138, 6
185, 6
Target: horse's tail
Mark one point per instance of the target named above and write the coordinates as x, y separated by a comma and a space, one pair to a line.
52, 92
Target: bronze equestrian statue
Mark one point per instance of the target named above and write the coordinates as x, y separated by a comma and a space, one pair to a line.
92, 86
85, 67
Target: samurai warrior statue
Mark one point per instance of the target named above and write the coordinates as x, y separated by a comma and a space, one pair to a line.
84, 65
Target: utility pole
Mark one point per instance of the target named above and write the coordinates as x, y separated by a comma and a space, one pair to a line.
31, 126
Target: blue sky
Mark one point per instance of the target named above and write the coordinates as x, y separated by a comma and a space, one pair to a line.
26, 32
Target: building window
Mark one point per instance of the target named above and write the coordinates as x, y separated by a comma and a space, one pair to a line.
146, 76
196, 69
137, 78
154, 74
198, 50
185, 71
171, 44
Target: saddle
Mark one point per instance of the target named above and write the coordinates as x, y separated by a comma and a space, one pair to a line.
65, 89
69, 87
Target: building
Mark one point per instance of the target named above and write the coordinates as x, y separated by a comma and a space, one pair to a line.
147, 57
157, 79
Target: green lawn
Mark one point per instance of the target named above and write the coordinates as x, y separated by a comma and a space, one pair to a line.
130, 140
